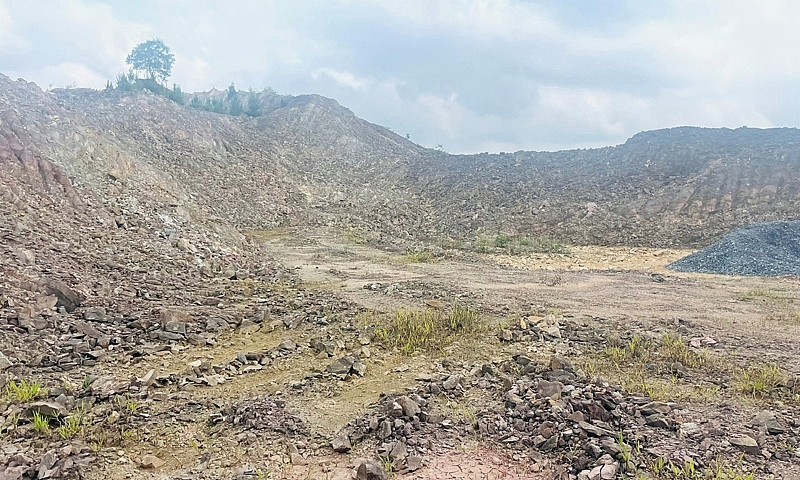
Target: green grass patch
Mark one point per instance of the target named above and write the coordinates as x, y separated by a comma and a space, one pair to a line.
72, 425
41, 423
760, 381
421, 256
24, 391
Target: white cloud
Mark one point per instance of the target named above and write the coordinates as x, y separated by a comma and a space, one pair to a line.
69, 73
345, 79
10, 42
481, 19
473, 75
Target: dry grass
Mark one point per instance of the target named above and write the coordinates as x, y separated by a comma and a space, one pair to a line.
420, 256
411, 330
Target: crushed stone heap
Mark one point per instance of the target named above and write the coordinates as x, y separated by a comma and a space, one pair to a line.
768, 249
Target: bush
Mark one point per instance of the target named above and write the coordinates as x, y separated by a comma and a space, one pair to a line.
253, 104
176, 95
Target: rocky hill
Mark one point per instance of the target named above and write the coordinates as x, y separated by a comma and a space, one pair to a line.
310, 161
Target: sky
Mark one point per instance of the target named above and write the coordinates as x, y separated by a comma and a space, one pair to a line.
469, 75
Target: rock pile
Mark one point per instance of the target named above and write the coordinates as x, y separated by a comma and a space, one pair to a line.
768, 249
266, 414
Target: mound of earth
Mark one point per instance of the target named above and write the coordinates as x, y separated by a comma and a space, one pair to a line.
769, 249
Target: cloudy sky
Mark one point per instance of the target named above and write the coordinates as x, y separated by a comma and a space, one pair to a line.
471, 75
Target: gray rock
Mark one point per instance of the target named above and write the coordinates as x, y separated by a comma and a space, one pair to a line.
558, 362
410, 407
67, 297
287, 345
594, 430
746, 444
48, 460
4, 362
657, 420
451, 382
655, 407
169, 336
359, 368
549, 389
370, 470
175, 327
95, 314
768, 420
151, 462
399, 452
47, 409
384, 430
341, 366
341, 444
413, 463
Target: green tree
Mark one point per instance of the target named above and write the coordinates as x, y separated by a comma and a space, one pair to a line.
236, 104
125, 82
153, 59
253, 104
176, 94
217, 106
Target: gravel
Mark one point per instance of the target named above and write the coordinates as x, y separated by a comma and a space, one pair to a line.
767, 249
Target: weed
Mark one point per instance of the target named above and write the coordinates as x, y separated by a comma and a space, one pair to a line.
72, 425
625, 453
659, 465
24, 391
760, 381
410, 330
87, 382
463, 319
674, 349
41, 423
263, 474
719, 470
387, 463
127, 404
761, 295
637, 348
421, 256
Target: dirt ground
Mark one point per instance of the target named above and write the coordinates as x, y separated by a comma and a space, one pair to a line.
616, 289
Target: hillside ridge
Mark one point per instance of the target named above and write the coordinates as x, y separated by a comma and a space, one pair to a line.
311, 161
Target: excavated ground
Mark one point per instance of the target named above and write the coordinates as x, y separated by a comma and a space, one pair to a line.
262, 402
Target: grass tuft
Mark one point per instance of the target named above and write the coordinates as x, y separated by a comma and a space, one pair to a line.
411, 330
72, 425
41, 423
760, 381
421, 256
24, 391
